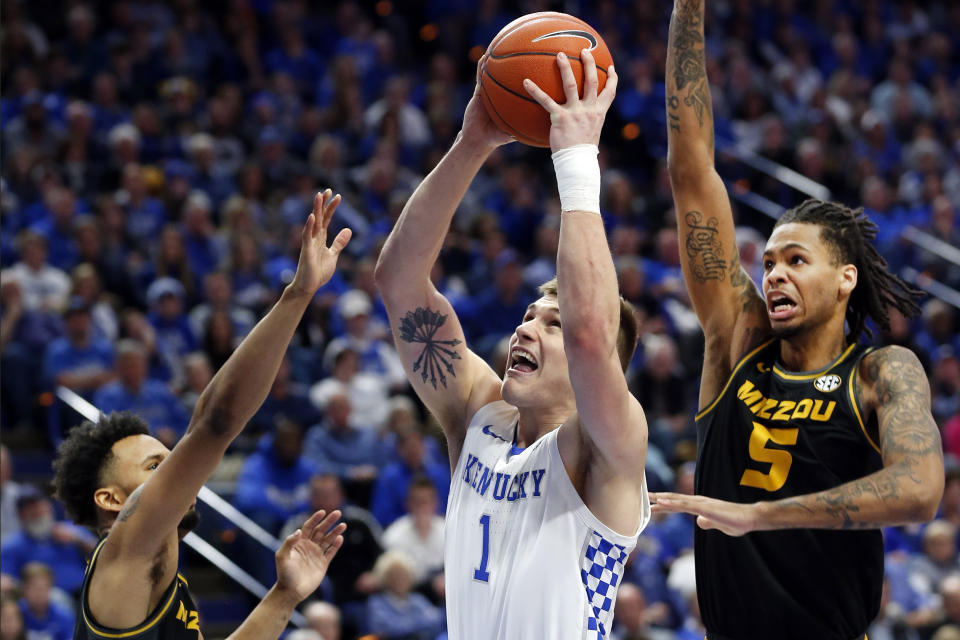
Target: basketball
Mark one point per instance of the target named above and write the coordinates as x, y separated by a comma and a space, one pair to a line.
527, 48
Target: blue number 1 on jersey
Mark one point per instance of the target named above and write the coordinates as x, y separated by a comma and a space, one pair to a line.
482, 574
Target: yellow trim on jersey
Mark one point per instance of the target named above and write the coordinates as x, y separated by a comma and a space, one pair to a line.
126, 634
138, 630
810, 376
730, 379
182, 579
856, 408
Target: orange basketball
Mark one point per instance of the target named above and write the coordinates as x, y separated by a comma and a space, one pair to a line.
527, 48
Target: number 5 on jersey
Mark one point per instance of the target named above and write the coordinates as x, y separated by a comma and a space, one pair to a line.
778, 459
482, 574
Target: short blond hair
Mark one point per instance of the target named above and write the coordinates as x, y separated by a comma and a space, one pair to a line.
626, 334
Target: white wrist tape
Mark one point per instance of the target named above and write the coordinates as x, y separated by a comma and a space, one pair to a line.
578, 178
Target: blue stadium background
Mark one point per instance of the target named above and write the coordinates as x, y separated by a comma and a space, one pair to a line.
157, 162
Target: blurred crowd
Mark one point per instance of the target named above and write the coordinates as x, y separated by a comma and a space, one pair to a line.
159, 159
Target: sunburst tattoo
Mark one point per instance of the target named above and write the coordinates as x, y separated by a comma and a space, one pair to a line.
421, 325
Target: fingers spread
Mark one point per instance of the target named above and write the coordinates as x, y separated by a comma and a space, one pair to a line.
570, 89
308, 227
590, 81
331, 551
341, 240
331, 205
610, 89
312, 522
538, 94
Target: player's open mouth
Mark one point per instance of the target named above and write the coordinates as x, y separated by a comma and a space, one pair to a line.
780, 306
522, 361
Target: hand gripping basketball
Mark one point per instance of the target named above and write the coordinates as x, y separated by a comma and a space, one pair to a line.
527, 48
578, 120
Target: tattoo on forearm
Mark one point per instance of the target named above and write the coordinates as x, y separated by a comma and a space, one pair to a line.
130, 506
688, 66
421, 325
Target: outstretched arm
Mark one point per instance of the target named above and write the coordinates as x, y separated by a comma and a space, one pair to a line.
450, 379
302, 563
726, 301
610, 420
151, 514
907, 489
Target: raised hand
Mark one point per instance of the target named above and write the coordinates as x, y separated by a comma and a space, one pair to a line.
305, 555
317, 261
576, 121
478, 128
731, 518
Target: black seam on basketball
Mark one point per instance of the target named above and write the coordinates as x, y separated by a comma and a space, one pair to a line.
508, 89
488, 102
561, 16
537, 53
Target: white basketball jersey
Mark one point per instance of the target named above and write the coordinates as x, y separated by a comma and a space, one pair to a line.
524, 556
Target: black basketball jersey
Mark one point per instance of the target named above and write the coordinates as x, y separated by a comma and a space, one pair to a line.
174, 618
774, 434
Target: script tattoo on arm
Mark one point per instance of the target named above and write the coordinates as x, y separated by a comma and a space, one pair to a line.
689, 62
703, 248
436, 359
909, 443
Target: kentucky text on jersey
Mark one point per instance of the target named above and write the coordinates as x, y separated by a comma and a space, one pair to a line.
481, 477
773, 409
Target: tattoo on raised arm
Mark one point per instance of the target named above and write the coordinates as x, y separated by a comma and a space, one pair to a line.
421, 325
703, 248
689, 61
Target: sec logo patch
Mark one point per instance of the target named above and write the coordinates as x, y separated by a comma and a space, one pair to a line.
827, 383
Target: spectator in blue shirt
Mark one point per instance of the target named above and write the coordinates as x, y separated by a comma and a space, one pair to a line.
150, 399
174, 337
390, 492
43, 618
335, 446
59, 545
145, 215
274, 482
205, 250
57, 227
288, 400
396, 612
78, 361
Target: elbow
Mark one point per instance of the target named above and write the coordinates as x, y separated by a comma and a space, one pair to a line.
213, 419
930, 502
688, 166
925, 501
381, 273
589, 341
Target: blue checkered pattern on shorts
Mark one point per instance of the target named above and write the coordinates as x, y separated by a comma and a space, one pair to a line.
601, 568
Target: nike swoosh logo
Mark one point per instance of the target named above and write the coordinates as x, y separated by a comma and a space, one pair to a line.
487, 430
586, 35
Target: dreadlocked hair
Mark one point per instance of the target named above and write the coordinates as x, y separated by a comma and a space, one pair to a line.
82, 458
849, 234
